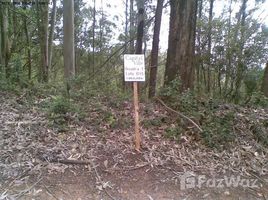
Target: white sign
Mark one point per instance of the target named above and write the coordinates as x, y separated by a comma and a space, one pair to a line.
134, 67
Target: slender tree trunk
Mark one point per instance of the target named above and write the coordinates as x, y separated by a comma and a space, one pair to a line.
126, 39
68, 41
126, 25
265, 81
140, 27
42, 11
199, 53
240, 65
93, 42
209, 46
155, 48
1, 42
229, 61
15, 29
51, 32
28, 49
5, 39
181, 55
131, 26
219, 82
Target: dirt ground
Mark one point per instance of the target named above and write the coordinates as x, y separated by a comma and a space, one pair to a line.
93, 160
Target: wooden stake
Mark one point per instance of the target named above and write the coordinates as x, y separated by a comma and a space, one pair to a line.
136, 113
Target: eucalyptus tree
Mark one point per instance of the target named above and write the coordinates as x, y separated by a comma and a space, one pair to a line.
181, 45
155, 48
42, 23
68, 41
5, 38
51, 32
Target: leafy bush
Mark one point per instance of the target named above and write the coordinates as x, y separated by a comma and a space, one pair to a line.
217, 130
258, 100
260, 135
174, 132
171, 91
60, 105
61, 111
251, 83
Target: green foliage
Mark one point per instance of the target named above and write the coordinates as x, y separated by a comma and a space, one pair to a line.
251, 82
174, 132
156, 121
110, 119
60, 105
186, 102
258, 100
260, 135
218, 130
172, 90
61, 111
7, 85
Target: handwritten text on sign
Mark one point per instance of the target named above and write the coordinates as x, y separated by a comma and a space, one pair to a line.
134, 67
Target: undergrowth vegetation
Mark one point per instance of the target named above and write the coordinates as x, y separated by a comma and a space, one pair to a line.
216, 117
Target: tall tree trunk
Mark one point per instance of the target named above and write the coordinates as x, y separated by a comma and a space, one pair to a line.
240, 69
51, 32
126, 38
199, 48
155, 48
15, 29
209, 45
1, 42
28, 49
229, 56
131, 26
42, 11
264, 87
140, 27
180, 58
93, 43
5, 39
68, 41
126, 25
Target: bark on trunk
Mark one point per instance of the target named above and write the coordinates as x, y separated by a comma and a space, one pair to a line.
180, 58
42, 11
131, 27
241, 67
209, 45
51, 33
28, 49
5, 39
265, 81
93, 43
68, 39
140, 28
155, 48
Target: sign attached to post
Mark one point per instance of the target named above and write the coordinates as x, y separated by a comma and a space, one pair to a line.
134, 67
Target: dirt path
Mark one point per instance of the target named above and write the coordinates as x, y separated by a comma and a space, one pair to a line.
37, 161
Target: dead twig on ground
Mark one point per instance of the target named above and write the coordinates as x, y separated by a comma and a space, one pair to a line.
99, 179
73, 162
48, 190
180, 114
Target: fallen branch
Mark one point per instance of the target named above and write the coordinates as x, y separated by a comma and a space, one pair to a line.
178, 113
72, 162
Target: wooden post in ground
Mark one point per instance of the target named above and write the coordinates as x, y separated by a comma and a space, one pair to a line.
136, 113
134, 71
